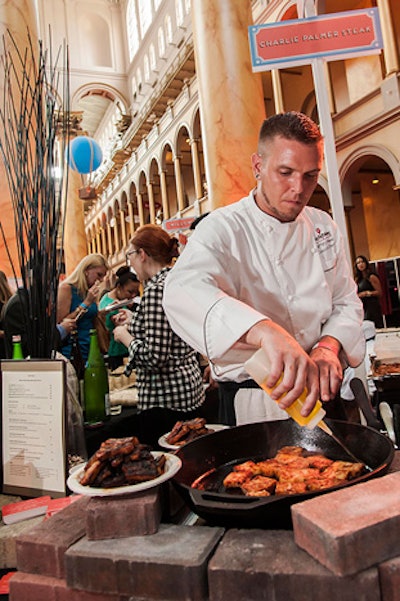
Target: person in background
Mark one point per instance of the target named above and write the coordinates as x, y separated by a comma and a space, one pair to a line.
108, 283
126, 288
268, 271
369, 290
168, 375
77, 299
5, 295
15, 315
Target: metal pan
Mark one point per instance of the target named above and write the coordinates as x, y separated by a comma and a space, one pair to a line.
388, 381
216, 454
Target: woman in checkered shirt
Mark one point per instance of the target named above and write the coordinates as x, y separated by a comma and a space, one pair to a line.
168, 375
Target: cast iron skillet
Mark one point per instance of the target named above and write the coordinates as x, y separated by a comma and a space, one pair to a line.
216, 454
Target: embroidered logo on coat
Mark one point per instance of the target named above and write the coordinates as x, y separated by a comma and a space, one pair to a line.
323, 239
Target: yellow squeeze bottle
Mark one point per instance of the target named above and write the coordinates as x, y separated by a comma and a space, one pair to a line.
258, 368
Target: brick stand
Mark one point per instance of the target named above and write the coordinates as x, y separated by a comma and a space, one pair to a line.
57, 561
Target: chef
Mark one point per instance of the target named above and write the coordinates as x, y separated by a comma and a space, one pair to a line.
268, 271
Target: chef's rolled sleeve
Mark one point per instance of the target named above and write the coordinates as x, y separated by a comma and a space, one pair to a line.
226, 322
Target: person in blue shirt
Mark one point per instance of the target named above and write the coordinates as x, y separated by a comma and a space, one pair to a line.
77, 299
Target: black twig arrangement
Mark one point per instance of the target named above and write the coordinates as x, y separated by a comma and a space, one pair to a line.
34, 133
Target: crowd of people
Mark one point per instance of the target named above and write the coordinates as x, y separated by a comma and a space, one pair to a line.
265, 272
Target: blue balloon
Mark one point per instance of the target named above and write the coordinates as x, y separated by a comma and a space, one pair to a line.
85, 154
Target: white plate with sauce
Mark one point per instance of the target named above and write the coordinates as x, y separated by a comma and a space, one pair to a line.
162, 441
172, 466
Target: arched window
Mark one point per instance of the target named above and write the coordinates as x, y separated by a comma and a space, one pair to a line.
168, 29
145, 15
132, 29
161, 42
146, 68
152, 55
187, 6
179, 12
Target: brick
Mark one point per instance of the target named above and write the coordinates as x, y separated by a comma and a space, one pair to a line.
170, 565
8, 538
267, 565
389, 574
42, 549
120, 517
353, 528
33, 587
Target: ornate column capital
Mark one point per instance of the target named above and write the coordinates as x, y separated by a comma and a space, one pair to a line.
73, 121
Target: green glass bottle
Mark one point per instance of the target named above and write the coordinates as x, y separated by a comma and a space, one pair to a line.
79, 366
17, 347
96, 390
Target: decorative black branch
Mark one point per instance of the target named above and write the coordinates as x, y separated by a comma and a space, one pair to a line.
34, 133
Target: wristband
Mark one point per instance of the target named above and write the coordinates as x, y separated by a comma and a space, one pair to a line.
84, 306
328, 346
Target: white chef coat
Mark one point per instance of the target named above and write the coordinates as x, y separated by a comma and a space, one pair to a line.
241, 266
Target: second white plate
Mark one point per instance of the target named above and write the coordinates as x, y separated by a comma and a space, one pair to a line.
162, 441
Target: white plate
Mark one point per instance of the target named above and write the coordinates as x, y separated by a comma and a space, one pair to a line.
172, 466
162, 441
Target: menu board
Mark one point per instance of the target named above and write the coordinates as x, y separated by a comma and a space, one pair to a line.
33, 427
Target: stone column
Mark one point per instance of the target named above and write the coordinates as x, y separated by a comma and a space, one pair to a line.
131, 220
151, 202
116, 236
231, 96
140, 208
390, 49
123, 228
75, 241
277, 90
109, 240
103, 242
164, 193
196, 168
178, 182
17, 17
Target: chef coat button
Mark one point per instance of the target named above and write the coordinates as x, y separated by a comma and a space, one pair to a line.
290, 297
278, 262
301, 332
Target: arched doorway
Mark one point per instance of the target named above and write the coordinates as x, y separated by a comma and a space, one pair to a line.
372, 201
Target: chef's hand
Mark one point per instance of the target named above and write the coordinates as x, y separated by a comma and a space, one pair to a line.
287, 359
121, 334
124, 316
329, 367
